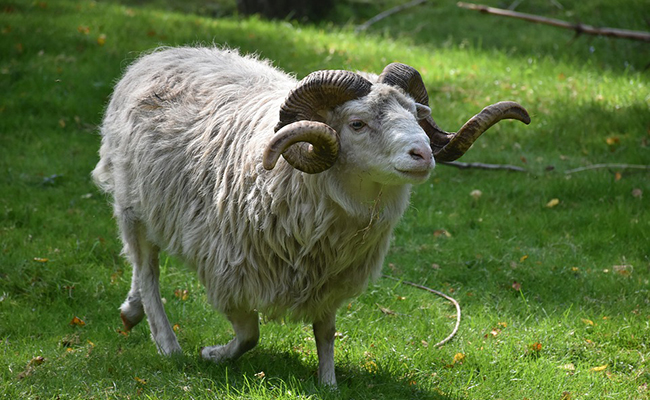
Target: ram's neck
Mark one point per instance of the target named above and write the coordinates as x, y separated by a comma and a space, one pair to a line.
361, 198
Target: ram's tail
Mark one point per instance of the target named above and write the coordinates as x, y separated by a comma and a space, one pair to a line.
103, 172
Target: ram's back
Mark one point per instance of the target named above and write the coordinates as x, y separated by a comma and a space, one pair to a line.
182, 143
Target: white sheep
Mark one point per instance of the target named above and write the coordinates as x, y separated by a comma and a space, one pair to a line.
190, 154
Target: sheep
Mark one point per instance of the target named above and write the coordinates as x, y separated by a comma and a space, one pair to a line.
190, 153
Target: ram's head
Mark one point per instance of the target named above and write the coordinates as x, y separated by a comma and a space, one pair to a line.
390, 120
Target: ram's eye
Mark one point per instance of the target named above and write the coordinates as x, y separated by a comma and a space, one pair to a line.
357, 124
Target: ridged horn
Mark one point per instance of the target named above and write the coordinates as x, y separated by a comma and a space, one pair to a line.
408, 78
448, 146
317, 143
462, 140
308, 146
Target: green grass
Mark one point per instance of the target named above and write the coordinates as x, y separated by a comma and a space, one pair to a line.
555, 299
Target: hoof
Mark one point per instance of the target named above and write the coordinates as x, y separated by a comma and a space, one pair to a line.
128, 324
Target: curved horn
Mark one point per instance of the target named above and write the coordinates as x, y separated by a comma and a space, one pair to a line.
455, 145
321, 90
450, 146
408, 78
308, 146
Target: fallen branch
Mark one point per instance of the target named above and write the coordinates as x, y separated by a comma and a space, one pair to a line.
578, 28
387, 13
451, 299
462, 165
600, 166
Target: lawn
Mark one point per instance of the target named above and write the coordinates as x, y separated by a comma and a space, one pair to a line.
551, 266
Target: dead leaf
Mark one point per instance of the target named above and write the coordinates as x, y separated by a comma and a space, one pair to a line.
182, 294
613, 140
140, 381
618, 176
441, 232
101, 40
587, 321
600, 368
76, 321
523, 258
637, 193
623, 270
370, 366
536, 347
29, 369
41, 260
385, 310
459, 358
552, 203
494, 332
260, 375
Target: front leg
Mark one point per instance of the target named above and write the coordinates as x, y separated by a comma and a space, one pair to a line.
324, 331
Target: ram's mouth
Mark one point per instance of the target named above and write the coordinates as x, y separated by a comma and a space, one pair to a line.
416, 175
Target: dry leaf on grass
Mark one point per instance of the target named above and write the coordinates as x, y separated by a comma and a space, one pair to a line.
385, 310
552, 203
29, 369
182, 294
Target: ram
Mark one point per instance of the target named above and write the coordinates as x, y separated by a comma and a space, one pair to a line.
282, 195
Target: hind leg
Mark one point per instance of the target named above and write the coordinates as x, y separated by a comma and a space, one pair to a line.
132, 310
247, 333
144, 296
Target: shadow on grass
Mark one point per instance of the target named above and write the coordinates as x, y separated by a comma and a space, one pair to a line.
273, 371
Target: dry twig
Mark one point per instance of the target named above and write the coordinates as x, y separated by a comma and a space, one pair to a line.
451, 299
578, 28
387, 13
463, 165
600, 166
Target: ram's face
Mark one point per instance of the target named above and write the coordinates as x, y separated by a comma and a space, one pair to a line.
381, 139
375, 130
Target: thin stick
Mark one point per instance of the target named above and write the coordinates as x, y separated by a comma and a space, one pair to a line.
462, 165
387, 13
600, 166
451, 299
579, 28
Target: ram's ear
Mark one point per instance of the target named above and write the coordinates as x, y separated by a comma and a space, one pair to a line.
322, 115
422, 111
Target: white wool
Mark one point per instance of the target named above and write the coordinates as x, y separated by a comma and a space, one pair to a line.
181, 153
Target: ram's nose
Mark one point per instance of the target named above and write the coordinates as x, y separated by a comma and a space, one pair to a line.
421, 154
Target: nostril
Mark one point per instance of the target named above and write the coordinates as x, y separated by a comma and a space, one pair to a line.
416, 154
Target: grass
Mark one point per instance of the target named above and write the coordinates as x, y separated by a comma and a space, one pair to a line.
555, 299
